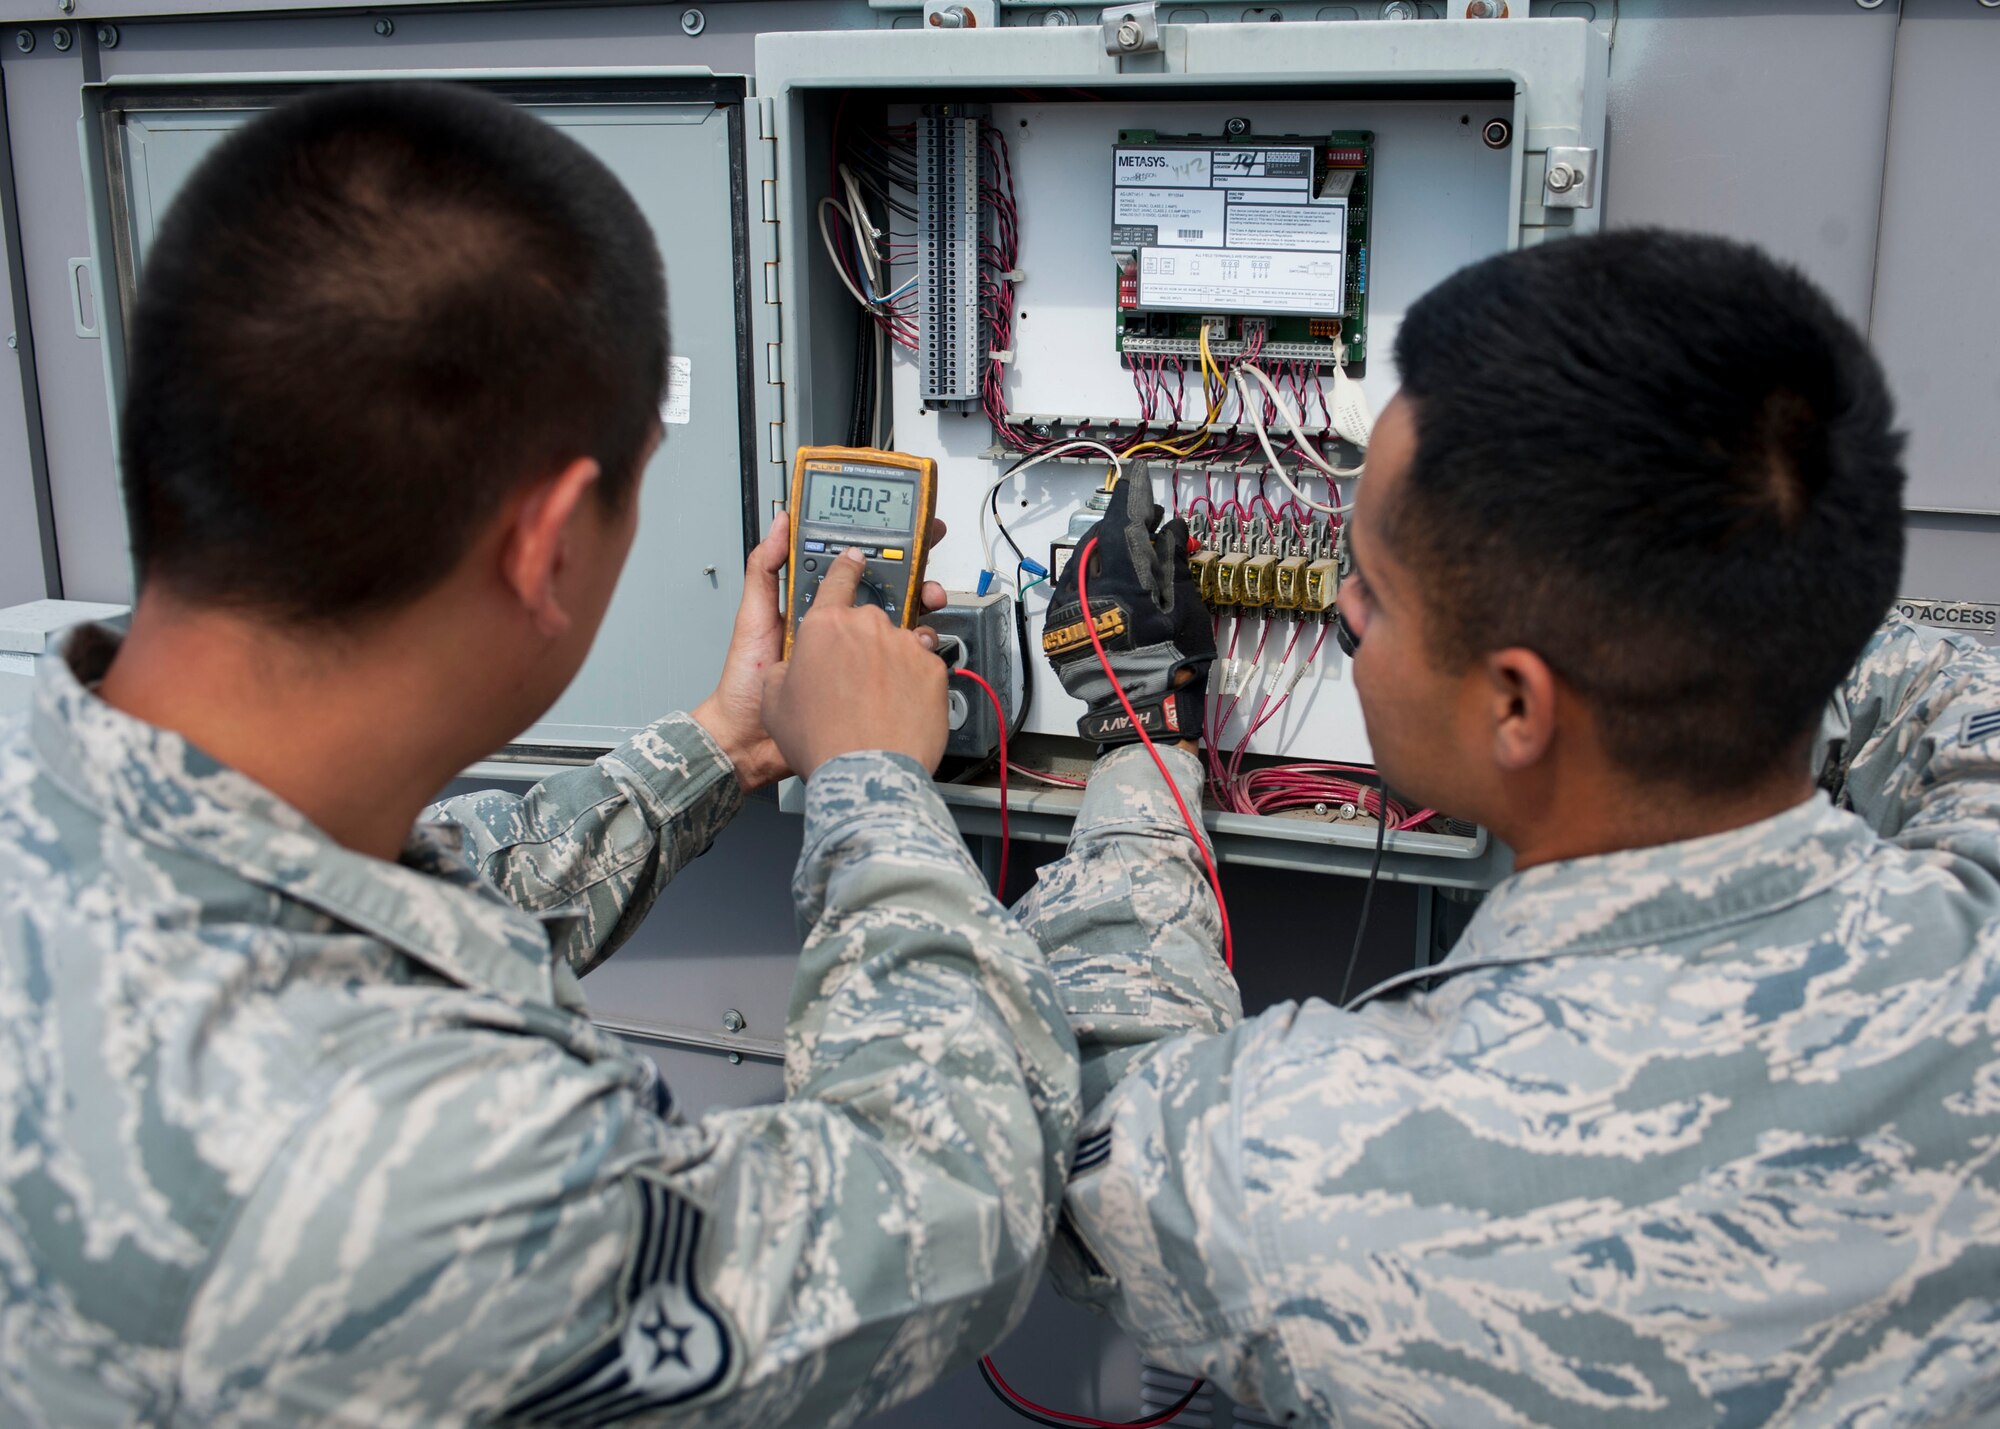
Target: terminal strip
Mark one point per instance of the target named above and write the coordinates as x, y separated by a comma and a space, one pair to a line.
951, 328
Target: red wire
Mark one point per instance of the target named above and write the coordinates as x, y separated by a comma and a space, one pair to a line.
1083, 1419
1194, 830
1000, 722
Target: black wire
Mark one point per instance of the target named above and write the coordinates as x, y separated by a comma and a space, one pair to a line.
871, 182
1026, 1413
1368, 894
993, 506
1027, 658
894, 162
863, 405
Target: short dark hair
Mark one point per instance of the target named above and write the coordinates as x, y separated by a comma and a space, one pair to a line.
370, 315
1666, 464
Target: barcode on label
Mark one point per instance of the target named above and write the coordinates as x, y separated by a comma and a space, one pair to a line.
1190, 232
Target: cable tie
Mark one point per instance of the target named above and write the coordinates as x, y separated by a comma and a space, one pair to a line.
1002, 354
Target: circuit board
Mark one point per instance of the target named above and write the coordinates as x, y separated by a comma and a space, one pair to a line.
1291, 283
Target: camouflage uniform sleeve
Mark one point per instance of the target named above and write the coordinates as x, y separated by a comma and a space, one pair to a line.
1918, 729
486, 1224
589, 850
1129, 922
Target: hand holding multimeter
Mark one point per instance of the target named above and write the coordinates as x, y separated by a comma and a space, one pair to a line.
855, 497
852, 681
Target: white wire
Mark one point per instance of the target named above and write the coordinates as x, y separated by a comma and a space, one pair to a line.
1291, 420
986, 496
1256, 416
864, 223
833, 252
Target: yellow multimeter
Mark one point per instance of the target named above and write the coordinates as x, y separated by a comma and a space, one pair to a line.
857, 496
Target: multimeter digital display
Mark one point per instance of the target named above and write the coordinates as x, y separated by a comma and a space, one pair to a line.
868, 503
855, 496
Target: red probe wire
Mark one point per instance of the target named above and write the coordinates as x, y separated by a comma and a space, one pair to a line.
1000, 723
986, 1363
1194, 829
1020, 1401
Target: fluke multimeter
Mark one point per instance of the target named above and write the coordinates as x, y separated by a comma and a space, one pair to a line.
856, 496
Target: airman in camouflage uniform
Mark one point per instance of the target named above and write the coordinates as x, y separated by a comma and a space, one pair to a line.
297, 1135
303, 1117
1706, 1133
1700, 1131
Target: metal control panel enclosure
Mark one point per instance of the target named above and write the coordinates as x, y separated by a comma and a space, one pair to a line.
1419, 100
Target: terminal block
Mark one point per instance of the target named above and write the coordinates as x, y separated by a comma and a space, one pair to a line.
951, 328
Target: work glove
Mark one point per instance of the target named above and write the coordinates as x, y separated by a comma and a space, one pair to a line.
1149, 616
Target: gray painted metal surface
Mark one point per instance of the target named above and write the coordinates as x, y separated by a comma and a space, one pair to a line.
1937, 287
1762, 121
676, 158
21, 574
42, 109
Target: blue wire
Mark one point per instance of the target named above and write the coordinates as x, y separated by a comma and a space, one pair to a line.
870, 291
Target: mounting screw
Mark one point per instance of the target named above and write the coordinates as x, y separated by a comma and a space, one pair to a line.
708, 570
68, 7
1497, 133
693, 22
1486, 10
1869, 4
62, 38
1061, 15
107, 37
385, 27
1131, 35
13, 342
735, 1059
1399, 10
732, 1021
1236, 128
24, 41
1562, 178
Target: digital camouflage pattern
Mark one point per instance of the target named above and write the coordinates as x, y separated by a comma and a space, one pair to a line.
1701, 1134
289, 1135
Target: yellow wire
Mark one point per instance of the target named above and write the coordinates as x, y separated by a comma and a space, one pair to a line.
1200, 438
1209, 367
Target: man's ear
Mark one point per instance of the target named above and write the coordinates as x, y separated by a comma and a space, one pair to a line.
535, 544
1520, 695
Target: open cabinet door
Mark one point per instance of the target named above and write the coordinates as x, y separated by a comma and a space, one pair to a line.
677, 140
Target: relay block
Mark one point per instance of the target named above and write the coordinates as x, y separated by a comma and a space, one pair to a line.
1262, 241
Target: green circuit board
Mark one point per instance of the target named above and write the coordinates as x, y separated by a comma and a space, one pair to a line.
1345, 158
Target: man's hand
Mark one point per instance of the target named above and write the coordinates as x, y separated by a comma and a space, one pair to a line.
1149, 616
733, 715
855, 682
